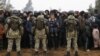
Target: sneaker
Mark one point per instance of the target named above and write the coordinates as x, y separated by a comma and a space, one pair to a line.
87, 50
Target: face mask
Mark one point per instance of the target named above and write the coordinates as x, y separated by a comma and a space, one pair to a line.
28, 19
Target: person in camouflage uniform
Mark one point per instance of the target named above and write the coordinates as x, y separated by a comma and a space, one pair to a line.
14, 30
40, 30
72, 33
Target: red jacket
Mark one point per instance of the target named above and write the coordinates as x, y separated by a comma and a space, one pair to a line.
2, 31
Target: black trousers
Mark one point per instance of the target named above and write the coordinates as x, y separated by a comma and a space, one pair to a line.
85, 40
27, 40
1, 44
53, 41
62, 38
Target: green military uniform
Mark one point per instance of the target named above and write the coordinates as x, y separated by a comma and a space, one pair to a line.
40, 32
72, 33
40, 35
13, 35
14, 30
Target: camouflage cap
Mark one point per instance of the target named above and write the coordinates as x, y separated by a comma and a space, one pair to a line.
71, 17
14, 16
40, 16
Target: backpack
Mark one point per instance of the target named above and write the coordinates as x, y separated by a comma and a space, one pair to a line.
72, 23
14, 22
40, 23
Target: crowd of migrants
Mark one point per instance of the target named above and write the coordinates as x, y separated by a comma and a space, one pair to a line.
27, 29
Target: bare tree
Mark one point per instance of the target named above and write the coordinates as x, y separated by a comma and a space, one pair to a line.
28, 6
91, 9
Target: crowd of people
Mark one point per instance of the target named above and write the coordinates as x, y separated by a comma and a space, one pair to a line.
57, 32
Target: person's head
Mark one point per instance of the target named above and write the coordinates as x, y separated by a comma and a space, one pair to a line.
29, 13
86, 15
71, 12
53, 15
76, 12
40, 13
64, 15
7, 13
47, 12
40, 17
54, 11
71, 17
25, 14
15, 13
82, 13
35, 14
1, 12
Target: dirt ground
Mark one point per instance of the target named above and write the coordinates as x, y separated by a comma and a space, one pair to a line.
58, 52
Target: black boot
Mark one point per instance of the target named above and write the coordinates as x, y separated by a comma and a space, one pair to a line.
36, 54
76, 53
45, 53
68, 54
8, 54
19, 53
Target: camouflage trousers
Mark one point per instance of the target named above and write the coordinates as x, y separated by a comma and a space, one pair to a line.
10, 44
70, 36
40, 35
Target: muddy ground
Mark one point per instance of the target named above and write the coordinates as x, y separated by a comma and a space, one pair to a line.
58, 52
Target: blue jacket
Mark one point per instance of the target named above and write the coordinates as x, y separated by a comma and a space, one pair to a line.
28, 26
53, 26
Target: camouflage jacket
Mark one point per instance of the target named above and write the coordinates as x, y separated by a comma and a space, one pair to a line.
14, 27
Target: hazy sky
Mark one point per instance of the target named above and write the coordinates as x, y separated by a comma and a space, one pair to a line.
64, 5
